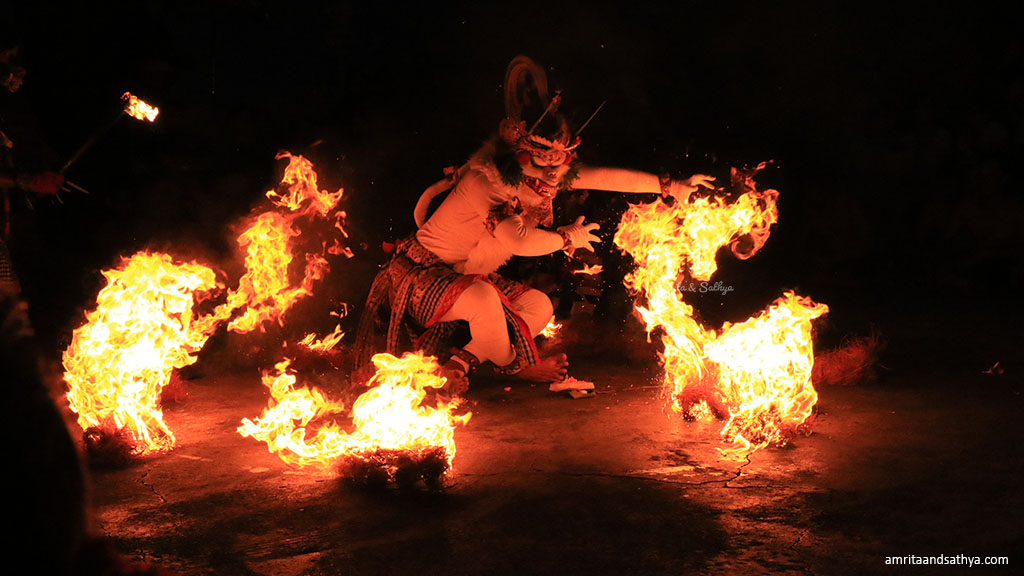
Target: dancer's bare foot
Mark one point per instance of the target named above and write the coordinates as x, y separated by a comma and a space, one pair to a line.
550, 369
458, 382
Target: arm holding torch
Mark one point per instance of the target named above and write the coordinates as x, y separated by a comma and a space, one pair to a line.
47, 183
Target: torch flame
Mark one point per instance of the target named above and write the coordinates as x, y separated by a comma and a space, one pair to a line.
141, 330
389, 418
138, 109
755, 373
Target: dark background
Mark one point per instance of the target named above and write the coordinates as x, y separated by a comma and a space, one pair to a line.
896, 133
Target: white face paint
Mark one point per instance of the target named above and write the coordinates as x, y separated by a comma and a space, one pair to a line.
548, 160
550, 175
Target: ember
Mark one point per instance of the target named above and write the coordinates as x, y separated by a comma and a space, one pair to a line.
755, 373
141, 330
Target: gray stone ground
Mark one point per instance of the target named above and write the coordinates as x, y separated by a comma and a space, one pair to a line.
608, 485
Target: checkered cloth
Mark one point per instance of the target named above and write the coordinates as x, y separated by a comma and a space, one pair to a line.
6, 268
419, 288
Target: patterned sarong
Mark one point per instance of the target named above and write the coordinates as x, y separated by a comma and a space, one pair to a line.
419, 289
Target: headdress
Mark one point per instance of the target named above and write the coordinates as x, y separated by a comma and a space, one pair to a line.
526, 86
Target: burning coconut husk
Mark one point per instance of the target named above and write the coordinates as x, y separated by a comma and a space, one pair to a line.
756, 373
854, 362
142, 329
396, 437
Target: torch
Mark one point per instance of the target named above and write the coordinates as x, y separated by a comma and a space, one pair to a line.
135, 107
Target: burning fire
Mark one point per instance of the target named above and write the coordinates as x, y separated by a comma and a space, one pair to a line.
138, 109
143, 326
299, 187
589, 270
391, 426
141, 330
265, 292
755, 373
551, 329
764, 371
325, 344
283, 424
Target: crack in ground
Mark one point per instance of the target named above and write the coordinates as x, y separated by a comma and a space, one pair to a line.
141, 480
799, 538
739, 471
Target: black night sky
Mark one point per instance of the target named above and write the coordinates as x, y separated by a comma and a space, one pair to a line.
896, 133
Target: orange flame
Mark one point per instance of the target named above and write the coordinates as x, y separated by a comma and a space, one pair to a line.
265, 292
589, 270
299, 184
551, 329
138, 109
756, 372
283, 424
388, 417
764, 372
141, 330
325, 344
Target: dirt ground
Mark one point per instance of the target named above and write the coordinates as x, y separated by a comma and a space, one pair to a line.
613, 484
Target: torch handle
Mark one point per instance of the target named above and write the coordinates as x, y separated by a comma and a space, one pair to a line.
89, 143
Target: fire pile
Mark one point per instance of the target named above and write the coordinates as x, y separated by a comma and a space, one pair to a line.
143, 328
755, 374
395, 437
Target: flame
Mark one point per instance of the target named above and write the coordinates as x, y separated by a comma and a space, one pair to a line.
764, 371
141, 330
589, 270
389, 418
325, 344
284, 423
300, 188
551, 329
138, 109
755, 373
265, 292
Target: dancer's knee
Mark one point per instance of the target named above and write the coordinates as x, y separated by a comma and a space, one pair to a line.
536, 310
483, 303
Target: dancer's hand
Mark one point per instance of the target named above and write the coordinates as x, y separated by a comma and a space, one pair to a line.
681, 189
41, 182
581, 235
